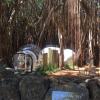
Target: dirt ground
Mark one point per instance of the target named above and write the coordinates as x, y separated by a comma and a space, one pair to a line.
65, 73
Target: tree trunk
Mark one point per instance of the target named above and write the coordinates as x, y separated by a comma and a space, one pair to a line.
61, 54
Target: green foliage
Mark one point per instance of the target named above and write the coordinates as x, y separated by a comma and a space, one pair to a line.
45, 70
8, 2
39, 3
69, 64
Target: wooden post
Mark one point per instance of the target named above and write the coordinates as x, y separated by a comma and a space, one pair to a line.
45, 59
50, 53
55, 58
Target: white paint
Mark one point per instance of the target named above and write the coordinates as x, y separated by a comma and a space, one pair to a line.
46, 50
68, 53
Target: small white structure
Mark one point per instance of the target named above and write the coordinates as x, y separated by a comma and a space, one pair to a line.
68, 53
26, 58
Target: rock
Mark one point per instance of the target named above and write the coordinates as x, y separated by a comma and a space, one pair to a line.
33, 87
73, 79
9, 89
94, 89
69, 87
98, 82
4, 72
83, 84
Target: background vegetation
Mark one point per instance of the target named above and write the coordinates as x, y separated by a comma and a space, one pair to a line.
46, 21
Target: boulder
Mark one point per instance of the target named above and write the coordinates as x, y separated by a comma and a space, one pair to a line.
33, 87
4, 73
9, 89
93, 86
68, 88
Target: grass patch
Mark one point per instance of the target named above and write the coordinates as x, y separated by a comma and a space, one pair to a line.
68, 66
45, 70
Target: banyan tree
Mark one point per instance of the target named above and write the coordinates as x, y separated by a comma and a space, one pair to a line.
70, 24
